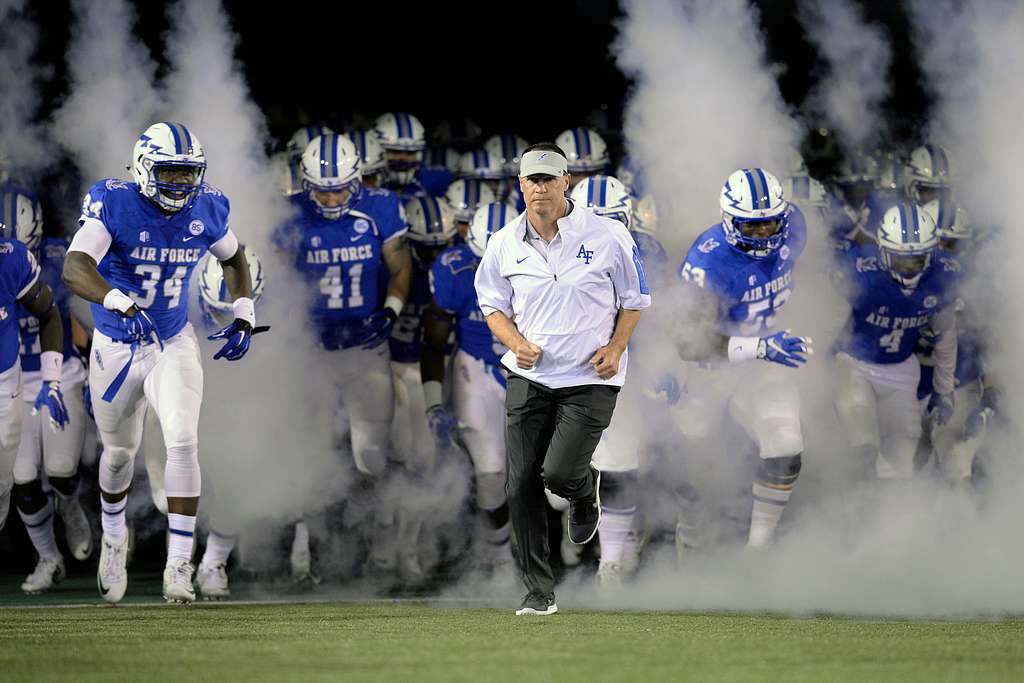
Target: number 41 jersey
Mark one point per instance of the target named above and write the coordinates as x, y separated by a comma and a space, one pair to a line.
750, 290
152, 254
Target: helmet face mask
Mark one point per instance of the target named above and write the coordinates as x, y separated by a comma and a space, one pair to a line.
169, 164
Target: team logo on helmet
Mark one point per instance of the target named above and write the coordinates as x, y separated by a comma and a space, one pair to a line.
542, 156
196, 227
361, 226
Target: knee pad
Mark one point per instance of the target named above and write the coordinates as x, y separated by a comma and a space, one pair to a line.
116, 469
181, 474
780, 471
619, 490
65, 486
29, 497
778, 438
490, 490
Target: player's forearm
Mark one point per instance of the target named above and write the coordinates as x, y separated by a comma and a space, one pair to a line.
504, 330
82, 277
624, 326
399, 263
437, 327
944, 351
237, 277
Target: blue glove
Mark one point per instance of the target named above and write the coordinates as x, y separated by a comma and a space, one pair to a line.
977, 421
784, 349
50, 396
940, 408
668, 386
142, 329
442, 426
239, 336
377, 328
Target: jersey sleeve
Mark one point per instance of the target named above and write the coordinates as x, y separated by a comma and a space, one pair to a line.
390, 218
628, 273
699, 269
25, 271
94, 204
442, 282
219, 209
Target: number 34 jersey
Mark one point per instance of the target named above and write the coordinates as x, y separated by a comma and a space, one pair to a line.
885, 324
750, 290
342, 261
152, 254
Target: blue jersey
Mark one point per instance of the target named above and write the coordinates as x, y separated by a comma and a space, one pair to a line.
434, 179
406, 339
18, 272
51, 262
342, 261
451, 283
750, 290
152, 253
653, 256
885, 324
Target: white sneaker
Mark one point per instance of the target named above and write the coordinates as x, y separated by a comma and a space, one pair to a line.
178, 581
77, 531
213, 581
609, 576
112, 577
48, 573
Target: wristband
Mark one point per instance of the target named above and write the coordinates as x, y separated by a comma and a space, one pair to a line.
245, 310
743, 348
395, 304
116, 300
432, 394
50, 365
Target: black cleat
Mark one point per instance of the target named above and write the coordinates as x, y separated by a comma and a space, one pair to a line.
537, 604
585, 514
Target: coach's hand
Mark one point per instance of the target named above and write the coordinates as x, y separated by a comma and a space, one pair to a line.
606, 361
527, 355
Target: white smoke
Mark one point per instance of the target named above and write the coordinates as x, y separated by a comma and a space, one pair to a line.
24, 146
113, 96
855, 84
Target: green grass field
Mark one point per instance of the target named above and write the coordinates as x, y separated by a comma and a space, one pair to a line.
420, 642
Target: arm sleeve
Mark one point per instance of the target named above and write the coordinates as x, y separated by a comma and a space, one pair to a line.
225, 247
493, 292
393, 224
944, 353
628, 274
441, 287
92, 238
28, 274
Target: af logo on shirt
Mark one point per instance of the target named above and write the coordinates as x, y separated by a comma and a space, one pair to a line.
583, 253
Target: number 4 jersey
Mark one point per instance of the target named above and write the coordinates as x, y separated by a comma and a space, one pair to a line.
152, 254
750, 290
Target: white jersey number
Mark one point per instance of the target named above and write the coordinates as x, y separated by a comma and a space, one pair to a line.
172, 285
332, 287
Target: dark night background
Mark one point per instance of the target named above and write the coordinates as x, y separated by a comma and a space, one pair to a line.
309, 61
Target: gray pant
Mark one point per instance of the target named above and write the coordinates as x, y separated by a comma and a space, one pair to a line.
551, 436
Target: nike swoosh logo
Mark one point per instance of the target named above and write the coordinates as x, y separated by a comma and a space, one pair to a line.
518, 261
355, 238
103, 589
186, 239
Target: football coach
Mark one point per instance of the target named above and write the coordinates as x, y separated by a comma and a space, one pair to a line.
562, 288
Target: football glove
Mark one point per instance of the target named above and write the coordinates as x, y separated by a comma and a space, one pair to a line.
668, 387
377, 328
142, 329
940, 408
442, 427
50, 397
238, 335
784, 349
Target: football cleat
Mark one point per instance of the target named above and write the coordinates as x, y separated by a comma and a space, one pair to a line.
178, 582
48, 573
112, 577
610, 576
77, 531
213, 581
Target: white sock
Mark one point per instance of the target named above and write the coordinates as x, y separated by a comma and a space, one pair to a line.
181, 531
39, 525
113, 519
769, 503
301, 539
613, 533
218, 548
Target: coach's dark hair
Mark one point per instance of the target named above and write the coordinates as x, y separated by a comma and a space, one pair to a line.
545, 147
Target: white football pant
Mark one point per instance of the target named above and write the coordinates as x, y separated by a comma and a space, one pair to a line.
57, 452
366, 388
478, 400
410, 432
954, 453
10, 433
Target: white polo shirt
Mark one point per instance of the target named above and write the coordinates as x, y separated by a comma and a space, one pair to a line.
567, 303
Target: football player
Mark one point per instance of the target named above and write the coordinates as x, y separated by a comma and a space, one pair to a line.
478, 382
133, 258
464, 196
403, 138
897, 290
371, 155
586, 153
740, 275
41, 448
854, 210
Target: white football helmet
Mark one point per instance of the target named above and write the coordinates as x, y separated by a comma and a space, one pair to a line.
168, 148
607, 196
370, 151
287, 176
482, 165
431, 221
331, 163
890, 173
488, 219
806, 192
795, 163
752, 201
21, 217
213, 292
508, 147
464, 196
401, 132
585, 150
645, 215
927, 175
907, 238
951, 220
301, 138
